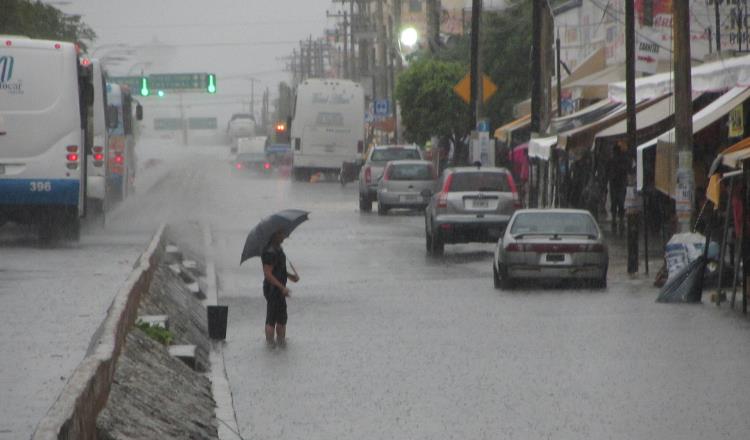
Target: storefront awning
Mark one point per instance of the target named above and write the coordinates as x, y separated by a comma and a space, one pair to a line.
709, 77
733, 156
666, 150
647, 117
639, 161
583, 117
502, 132
596, 85
540, 147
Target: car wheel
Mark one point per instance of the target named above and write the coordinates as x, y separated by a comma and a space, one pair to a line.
502, 280
365, 204
600, 283
428, 241
496, 277
438, 247
382, 209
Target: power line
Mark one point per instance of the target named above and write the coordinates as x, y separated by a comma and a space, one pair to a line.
192, 25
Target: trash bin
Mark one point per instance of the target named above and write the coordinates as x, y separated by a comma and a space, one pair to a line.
217, 322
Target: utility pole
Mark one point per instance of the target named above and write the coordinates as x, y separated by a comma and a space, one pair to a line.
432, 11
718, 27
559, 74
346, 45
381, 66
685, 180
475, 74
632, 219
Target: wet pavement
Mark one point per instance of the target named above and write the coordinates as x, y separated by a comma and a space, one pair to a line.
385, 342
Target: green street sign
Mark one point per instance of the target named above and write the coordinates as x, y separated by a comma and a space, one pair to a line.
178, 81
167, 124
133, 82
202, 123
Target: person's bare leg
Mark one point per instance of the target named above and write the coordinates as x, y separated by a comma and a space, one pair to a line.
280, 334
269, 334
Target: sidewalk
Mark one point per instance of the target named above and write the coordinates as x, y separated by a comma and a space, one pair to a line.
618, 253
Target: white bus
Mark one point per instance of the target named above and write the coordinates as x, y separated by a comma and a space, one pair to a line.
328, 126
96, 167
45, 100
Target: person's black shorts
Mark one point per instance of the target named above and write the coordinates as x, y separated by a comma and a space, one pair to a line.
275, 306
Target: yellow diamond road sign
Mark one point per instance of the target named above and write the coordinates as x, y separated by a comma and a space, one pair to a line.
463, 88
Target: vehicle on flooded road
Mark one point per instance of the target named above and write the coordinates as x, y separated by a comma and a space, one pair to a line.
403, 184
474, 204
372, 170
551, 244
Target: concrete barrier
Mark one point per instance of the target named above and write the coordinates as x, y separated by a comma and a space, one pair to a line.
73, 415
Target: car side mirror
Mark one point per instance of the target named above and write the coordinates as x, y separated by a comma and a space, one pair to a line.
139, 112
426, 193
112, 117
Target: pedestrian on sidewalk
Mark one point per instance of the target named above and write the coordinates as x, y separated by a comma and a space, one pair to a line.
274, 288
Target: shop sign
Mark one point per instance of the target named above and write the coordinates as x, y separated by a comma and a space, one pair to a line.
646, 56
736, 122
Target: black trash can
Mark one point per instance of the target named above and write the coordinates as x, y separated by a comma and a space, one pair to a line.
217, 322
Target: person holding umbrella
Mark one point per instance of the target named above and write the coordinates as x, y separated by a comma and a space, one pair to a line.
264, 241
274, 288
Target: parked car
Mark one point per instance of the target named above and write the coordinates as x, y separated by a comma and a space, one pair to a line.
551, 244
402, 185
372, 170
474, 204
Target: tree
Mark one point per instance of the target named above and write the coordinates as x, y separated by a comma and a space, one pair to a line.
429, 107
38, 20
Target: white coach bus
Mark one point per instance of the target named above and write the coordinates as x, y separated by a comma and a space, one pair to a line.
45, 105
328, 126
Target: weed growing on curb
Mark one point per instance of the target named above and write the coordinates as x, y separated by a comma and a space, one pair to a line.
157, 333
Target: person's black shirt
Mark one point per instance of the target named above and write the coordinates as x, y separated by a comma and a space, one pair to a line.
274, 256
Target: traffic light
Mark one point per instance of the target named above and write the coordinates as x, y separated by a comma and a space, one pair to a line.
160, 93
211, 86
144, 86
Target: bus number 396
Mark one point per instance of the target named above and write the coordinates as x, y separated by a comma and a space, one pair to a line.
41, 186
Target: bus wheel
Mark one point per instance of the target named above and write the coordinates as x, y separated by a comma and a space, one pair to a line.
71, 226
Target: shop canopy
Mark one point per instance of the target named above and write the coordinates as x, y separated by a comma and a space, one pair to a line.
596, 85
647, 117
502, 132
734, 156
580, 138
540, 147
709, 77
583, 117
666, 156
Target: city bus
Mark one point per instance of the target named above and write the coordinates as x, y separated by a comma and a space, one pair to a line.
46, 96
327, 127
122, 159
96, 164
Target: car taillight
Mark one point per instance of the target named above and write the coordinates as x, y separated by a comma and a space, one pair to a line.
596, 247
119, 158
368, 175
447, 183
442, 200
72, 157
98, 157
238, 166
267, 166
514, 247
387, 173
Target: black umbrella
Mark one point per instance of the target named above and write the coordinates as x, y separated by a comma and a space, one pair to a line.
286, 220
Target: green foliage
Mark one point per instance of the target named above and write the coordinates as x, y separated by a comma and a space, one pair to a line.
38, 20
158, 334
428, 104
506, 58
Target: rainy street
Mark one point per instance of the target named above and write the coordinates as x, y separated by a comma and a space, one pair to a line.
385, 342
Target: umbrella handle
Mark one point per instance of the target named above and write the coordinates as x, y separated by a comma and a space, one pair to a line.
292, 266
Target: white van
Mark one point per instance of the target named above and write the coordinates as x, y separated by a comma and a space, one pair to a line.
328, 126
96, 166
45, 99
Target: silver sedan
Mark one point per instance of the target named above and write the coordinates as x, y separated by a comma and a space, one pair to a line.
551, 244
403, 184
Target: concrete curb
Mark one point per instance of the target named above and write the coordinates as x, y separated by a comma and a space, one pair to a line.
74, 413
228, 428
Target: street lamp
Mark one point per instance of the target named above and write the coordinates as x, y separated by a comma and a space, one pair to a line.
409, 37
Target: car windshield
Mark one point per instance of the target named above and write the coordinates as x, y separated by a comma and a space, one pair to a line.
480, 181
551, 223
415, 171
387, 154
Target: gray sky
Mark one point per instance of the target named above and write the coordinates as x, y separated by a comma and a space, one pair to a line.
227, 37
